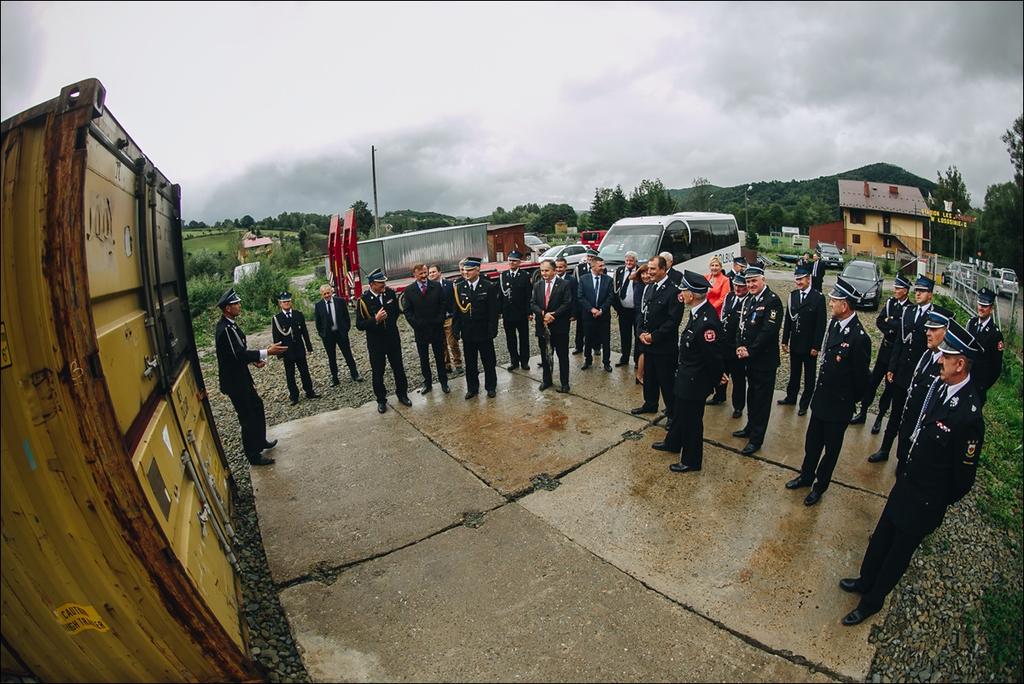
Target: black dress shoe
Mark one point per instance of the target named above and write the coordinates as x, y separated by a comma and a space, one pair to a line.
586, 365
858, 419
877, 427
381, 407
512, 367
357, 378
470, 394
544, 386
491, 394
737, 414
294, 401
540, 365
643, 409
878, 456
526, 365
405, 401
750, 448
427, 389
622, 363
314, 395
334, 382
445, 388
577, 351
813, 497
661, 446
269, 445
802, 412
857, 616
797, 483
714, 402
786, 402
745, 432
608, 367
564, 389
851, 585
261, 460
682, 468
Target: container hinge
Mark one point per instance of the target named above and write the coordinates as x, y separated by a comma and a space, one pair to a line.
205, 512
218, 504
151, 365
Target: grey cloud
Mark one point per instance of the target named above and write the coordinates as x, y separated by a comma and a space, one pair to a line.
20, 56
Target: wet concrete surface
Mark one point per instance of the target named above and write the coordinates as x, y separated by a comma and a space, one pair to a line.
512, 600
730, 541
350, 484
521, 433
617, 390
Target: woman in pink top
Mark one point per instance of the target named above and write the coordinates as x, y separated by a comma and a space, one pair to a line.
720, 285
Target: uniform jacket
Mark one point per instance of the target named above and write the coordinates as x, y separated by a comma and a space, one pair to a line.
589, 299
516, 293
476, 312
888, 322
759, 330
925, 373
574, 285
989, 366
701, 355
447, 296
378, 335
675, 277
618, 280
233, 358
817, 274
844, 372
731, 311
909, 345
292, 333
322, 318
660, 314
942, 463
559, 304
804, 327
425, 312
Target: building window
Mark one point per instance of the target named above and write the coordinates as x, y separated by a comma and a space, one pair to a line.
856, 238
858, 216
887, 242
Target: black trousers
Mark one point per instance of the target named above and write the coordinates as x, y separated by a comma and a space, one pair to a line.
886, 559
380, 357
760, 389
484, 351
806, 365
517, 336
289, 373
580, 336
598, 337
560, 346
332, 343
877, 378
822, 435
892, 426
737, 370
425, 342
252, 419
627, 330
660, 378
687, 432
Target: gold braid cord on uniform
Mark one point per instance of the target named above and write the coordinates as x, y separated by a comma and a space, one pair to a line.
468, 308
363, 309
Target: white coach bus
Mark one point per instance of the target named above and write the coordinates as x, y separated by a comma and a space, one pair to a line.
692, 237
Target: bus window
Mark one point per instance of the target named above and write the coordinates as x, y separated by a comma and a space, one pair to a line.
701, 240
677, 241
724, 234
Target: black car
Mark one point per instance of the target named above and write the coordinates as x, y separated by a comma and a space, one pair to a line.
865, 276
830, 255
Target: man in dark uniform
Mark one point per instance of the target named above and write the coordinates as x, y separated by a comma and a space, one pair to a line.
289, 328
817, 272
926, 370
551, 305
888, 323
940, 470
675, 276
736, 368
332, 325
660, 315
452, 351
576, 274
989, 365
476, 320
802, 332
698, 372
516, 292
233, 359
846, 358
739, 265
757, 342
595, 292
425, 311
910, 344
377, 315
622, 302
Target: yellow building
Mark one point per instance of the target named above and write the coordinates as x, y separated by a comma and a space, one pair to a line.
884, 220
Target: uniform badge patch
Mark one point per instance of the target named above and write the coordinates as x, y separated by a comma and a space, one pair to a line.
999, 345
953, 402
972, 448
709, 335
771, 316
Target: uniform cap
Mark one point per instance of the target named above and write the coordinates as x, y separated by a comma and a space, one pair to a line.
753, 272
471, 262
901, 282
376, 276
514, 255
802, 271
986, 297
843, 290
959, 341
924, 283
284, 296
739, 260
938, 317
738, 279
694, 282
230, 297
593, 253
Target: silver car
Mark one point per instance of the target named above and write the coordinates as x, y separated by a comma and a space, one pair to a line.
573, 253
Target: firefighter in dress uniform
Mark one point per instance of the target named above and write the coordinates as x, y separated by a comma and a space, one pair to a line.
377, 315
802, 333
516, 293
888, 323
289, 328
476, 321
989, 365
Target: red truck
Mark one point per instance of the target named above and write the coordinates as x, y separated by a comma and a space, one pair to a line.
592, 238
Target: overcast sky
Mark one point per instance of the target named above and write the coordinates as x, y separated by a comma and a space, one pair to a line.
265, 107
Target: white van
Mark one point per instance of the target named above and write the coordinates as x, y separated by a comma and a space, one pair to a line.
692, 237
1004, 282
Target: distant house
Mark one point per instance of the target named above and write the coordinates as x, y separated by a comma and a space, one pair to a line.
254, 247
881, 219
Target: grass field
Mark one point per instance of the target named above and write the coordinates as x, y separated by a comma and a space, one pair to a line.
219, 241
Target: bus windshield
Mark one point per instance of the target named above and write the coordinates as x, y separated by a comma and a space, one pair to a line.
643, 240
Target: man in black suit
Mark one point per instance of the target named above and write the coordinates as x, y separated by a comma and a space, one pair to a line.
425, 309
377, 315
910, 344
233, 360
516, 291
563, 272
817, 272
844, 374
888, 323
802, 332
289, 328
660, 315
622, 302
941, 467
575, 275
551, 305
476, 321
732, 309
595, 295
757, 342
698, 372
989, 364
452, 351
332, 325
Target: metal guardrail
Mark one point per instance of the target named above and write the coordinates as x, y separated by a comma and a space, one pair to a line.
964, 285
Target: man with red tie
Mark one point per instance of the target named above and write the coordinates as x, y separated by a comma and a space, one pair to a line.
552, 304
425, 311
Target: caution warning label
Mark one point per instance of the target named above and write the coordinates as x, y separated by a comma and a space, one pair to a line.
77, 618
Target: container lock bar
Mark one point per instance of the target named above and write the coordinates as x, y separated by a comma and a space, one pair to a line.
205, 513
218, 504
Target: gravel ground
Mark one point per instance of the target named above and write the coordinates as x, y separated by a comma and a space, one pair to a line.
924, 638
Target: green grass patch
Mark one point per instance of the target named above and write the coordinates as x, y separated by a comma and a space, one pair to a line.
216, 243
999, 618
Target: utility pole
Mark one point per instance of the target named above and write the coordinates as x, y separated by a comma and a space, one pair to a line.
373, 164
746, 209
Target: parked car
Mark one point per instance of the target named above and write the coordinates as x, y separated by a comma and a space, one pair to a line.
535, 245
830, 255
1004, 282
865, 276
573, 253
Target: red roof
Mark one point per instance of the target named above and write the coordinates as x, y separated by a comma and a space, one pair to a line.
257, 242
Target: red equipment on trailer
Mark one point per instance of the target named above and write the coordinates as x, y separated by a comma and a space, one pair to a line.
343, 256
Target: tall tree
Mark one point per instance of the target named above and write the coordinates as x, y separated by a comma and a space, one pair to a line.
601, 209
1014, 140
364, 217
619, 204
1002, 226
700, 196
247, 221
951, 188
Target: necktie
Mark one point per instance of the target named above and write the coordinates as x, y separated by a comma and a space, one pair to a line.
926, 408
597, 288
334, 320
423, 288
802, 295
547, 294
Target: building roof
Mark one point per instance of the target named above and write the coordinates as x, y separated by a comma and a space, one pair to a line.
502, 226
257, 242
895, 199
